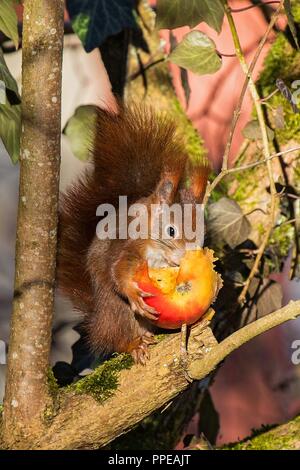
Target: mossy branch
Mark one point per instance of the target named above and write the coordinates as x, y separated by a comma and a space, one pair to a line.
84, 416
283, 437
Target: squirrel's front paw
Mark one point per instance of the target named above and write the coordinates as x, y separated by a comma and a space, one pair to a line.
136, 300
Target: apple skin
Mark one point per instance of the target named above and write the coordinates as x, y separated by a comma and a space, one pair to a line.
181, 295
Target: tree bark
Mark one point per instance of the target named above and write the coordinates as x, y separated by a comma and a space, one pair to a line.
110, 402
26, 389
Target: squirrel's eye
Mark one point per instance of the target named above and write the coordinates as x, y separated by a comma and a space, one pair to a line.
171, 231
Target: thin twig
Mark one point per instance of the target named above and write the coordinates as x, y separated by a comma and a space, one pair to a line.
148, 66
261, 162
224, 173
263, 100
199, 369
266, 148
259, 209
290, 221
237, 111
260, 4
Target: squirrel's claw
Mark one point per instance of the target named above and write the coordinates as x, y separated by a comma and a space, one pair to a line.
140, 352
137, 304
145, 295
141, 308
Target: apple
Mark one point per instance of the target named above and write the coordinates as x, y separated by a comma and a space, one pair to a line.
181, 295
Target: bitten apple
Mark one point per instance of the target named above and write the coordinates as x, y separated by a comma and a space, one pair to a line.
181, 295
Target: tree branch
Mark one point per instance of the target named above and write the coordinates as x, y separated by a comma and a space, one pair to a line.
26, 387
236, 169
283, 437
141, 390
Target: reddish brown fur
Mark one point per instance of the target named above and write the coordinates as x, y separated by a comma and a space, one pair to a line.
138, 154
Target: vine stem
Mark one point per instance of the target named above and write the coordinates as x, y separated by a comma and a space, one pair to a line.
265, 141
260, 4
237, 112
225, 171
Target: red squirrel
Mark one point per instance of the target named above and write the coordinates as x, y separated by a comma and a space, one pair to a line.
139, 154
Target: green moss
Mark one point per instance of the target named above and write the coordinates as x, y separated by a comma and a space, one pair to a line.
281, 239
53, 386
100, 384
194, 143
271, 438
103, 382
296, 10
81, 26
282, 61
247, 184
246, 443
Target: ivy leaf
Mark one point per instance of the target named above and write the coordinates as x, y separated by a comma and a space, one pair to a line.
95, 20
267, 295
79, 130
197, 53
252, 131
175, 13
10, 129
9, 21
227, 222
291, 21
8, 83
209, 423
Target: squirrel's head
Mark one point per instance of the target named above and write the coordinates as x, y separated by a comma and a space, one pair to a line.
175, 221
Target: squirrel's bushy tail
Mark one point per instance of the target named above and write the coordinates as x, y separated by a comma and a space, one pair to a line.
130, 152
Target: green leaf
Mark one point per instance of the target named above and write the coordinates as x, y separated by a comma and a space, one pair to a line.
81, 26
175, 13
197, 53
8, 82
79, 130
252, 131
10, 129
291, 21
227, 222
9, 21
96, 20
267, 295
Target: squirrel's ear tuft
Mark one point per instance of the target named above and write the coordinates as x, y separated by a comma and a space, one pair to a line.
167, 187
197, 176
